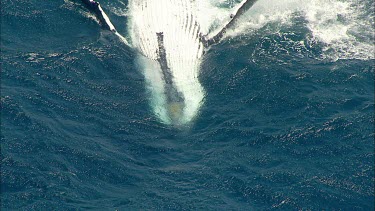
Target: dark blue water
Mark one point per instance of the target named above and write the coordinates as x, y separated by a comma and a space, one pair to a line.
282, 127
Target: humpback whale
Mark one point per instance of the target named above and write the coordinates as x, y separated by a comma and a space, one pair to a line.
168, 33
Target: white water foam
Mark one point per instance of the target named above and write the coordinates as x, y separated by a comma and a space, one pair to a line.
341, 26
344, 28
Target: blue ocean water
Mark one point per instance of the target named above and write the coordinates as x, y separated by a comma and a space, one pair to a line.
287, 122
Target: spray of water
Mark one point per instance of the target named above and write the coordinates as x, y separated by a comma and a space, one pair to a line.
345, 29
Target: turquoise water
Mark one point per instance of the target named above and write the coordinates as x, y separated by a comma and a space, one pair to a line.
287, 120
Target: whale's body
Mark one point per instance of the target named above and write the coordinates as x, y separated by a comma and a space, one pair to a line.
168, 33
170, 44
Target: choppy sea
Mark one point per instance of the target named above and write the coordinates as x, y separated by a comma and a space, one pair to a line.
287, 121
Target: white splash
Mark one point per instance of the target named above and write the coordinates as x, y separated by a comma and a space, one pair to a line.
341, 26
344, 28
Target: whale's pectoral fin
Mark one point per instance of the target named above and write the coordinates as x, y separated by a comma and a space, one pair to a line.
245, 5
103, 18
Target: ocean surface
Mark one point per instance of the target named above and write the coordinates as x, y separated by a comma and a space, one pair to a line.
287, 120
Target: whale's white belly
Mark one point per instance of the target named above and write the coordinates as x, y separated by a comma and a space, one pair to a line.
176, 19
